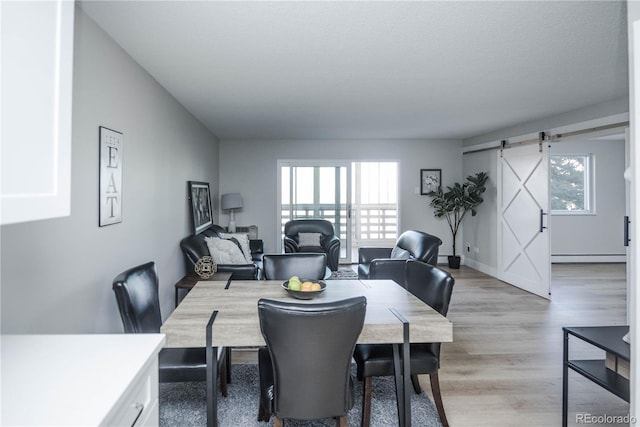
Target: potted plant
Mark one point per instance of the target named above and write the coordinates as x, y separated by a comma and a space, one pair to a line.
454, 204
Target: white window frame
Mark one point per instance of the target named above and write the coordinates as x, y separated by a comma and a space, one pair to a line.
589, 184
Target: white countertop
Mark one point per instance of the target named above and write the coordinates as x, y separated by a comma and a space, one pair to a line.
67, 380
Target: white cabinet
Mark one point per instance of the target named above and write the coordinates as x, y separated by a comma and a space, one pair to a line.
139, 405
36, 79
80, 380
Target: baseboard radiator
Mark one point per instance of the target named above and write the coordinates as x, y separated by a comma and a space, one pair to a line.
587, 258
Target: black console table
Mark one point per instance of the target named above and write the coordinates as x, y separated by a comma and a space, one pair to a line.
607, 338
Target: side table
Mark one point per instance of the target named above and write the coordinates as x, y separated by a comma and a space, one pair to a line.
607, 338
190, 280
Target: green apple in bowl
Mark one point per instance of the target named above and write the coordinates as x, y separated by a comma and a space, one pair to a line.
295, 283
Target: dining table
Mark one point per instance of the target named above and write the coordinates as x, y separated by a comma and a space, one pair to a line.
224, 314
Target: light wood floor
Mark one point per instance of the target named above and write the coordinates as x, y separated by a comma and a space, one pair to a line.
504, 367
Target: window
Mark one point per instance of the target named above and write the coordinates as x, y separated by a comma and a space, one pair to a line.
360, 199
571, 189
375, 190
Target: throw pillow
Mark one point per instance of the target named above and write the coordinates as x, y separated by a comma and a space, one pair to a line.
243, 240
400, 253
224, 251
235, 242
309, 239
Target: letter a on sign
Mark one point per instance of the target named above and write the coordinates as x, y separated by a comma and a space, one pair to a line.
110, 176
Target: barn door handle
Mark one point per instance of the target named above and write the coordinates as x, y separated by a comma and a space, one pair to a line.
626, 230
542, 214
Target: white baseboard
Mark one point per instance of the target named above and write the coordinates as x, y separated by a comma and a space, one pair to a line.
442, 259
483, 268
558, 259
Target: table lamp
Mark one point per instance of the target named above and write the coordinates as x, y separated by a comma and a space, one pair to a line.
231, 201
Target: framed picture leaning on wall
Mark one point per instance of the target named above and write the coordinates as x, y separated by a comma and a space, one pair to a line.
200, 202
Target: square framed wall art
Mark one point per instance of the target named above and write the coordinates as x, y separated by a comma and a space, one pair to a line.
430, 180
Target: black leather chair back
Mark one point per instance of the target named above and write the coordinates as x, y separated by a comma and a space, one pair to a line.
432, 285
136, 292
422, 246
329, 242
311, 346
322, 226
389, 263
311, 266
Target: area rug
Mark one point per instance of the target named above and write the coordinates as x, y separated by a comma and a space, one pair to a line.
344, 272
184, 404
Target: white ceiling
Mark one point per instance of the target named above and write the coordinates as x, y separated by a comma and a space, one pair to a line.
390, 69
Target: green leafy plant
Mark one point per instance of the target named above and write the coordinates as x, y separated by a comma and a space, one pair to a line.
454, 203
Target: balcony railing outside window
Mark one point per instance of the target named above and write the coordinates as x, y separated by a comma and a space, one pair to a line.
376, 223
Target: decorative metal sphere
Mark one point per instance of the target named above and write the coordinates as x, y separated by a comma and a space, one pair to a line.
205, 267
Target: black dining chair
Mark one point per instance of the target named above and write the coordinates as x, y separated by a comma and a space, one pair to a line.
434, 287
136, 291
305, 370
312, 266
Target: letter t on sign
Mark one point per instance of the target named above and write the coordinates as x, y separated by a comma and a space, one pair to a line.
110, 176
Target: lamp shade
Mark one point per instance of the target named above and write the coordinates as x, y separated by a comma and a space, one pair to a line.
231, 201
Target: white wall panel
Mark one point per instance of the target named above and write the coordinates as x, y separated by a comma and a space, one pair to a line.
37, 61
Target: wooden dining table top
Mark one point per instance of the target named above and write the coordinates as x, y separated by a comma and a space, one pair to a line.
237, 325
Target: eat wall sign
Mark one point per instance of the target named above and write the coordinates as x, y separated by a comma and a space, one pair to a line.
110, 176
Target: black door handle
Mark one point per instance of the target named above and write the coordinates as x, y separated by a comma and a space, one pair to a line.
542, 214
626, 230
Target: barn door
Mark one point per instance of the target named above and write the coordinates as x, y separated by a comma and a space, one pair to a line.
524, 258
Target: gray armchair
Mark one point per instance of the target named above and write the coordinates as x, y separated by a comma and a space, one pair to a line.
300, 233
389, 263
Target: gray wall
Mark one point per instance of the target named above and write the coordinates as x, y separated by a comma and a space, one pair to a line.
56, 274
601, 233
250, 168
480, 232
